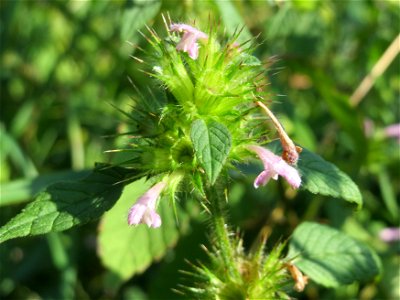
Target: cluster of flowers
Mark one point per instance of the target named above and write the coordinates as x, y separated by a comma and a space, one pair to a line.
144, 210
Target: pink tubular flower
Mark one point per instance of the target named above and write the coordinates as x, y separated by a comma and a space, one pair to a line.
369, 127
188, 43
390, 234
393, 131
144, 210
273, 166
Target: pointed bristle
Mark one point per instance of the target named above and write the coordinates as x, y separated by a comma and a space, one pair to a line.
165, 23
137, 59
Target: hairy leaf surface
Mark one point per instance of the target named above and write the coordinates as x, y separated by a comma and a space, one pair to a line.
212, 143
330, 257
67, 204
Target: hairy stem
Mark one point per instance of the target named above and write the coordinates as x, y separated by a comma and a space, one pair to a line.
220, 230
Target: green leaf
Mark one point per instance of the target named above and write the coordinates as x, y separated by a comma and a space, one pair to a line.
322, 177
21, 190
233, 20
67, 204
137, 16
134, 17
211, 143
127, 250
330, 257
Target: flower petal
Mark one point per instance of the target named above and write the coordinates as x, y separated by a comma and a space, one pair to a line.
393, 131
262, 179
156, 220
136, 214
390, 234
189, 29
193, 51
274, 165
188, 43
289, 173
149, 198
267, 157
144, 210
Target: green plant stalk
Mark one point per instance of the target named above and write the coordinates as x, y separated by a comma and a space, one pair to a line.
62, 261
220, 230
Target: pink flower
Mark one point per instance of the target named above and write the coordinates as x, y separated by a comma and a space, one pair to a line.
144, 210
390, 234
393, 131
273, 166
188, 43
368, 127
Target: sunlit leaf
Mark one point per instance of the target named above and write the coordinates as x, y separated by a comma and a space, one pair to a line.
67, 204
212, 143
21, 190
330, 257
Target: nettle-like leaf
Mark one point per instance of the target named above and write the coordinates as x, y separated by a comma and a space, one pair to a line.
322, 177
212, 143
127, 250
66, 204
330, 257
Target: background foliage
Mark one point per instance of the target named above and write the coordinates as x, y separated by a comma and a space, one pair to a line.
64, 62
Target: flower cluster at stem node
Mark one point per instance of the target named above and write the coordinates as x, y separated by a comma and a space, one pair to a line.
217, 84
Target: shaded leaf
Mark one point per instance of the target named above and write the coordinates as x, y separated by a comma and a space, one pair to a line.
211, 143
330, 257
21, 190
67, 204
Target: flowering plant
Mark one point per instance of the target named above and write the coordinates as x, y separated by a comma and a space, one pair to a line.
211, 119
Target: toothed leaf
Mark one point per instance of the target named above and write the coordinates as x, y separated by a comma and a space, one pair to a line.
212, 143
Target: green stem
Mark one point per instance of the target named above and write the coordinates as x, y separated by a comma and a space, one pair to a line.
220, 230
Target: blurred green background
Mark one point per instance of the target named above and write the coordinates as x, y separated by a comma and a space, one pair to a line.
64, 64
